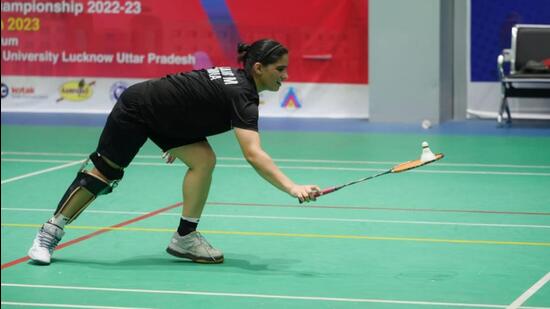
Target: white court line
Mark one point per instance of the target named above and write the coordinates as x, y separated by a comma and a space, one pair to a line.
378, 221
381, 170
284, 218
26, 153
311, 168
287, 160
47, 305
532, 290
71, 163
35, 160
262, 296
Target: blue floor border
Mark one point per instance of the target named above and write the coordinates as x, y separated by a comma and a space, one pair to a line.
463, 127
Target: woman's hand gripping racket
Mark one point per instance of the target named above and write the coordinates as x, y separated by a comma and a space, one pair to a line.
426, 158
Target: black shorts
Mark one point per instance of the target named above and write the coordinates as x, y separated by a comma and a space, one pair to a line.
125, 131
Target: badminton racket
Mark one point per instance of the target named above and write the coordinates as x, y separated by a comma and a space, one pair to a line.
399, 168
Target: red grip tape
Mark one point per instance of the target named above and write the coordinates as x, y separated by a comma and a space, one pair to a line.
327, 190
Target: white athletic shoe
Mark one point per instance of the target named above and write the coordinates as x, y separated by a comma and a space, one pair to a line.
195, 247
45, 242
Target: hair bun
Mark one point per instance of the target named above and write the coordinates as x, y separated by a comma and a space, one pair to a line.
242, 51
243, 48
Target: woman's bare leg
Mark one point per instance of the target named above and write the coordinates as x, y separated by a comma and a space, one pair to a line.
201, 160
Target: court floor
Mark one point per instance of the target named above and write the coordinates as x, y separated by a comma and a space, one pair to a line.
471, 231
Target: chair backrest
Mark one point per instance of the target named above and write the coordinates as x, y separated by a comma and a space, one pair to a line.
529, 42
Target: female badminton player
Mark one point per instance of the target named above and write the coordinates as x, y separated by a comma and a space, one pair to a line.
178, 112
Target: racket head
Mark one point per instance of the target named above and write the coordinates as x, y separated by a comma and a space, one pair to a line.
409, 165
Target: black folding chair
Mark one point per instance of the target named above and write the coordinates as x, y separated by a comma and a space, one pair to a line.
528, 76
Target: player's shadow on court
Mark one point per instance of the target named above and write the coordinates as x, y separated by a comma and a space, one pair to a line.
232, 261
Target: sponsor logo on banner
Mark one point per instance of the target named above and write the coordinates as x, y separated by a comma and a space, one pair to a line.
5, 90
21, 92
76, 91
117, 89
291, 100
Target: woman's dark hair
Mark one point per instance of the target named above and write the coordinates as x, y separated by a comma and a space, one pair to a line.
264, 51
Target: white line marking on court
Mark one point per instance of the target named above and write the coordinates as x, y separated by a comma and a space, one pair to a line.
381, 170
26, 153
285, 218
263, 296
377, 221
532, 290
11, 303
311, 168
71, 163
35, 160
287, 160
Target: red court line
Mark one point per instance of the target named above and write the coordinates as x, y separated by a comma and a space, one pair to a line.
382, 208
98, 232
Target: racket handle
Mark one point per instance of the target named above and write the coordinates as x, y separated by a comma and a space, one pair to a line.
323, 192
327, 191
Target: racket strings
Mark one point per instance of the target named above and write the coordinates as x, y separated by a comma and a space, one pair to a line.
405, 166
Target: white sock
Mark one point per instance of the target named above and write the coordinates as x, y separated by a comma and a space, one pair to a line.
59, 220
194, 220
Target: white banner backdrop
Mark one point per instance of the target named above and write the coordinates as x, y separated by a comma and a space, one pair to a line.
98, 95
61, 95
316, 101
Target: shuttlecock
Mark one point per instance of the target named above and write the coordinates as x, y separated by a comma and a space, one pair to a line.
427, 154
426, 124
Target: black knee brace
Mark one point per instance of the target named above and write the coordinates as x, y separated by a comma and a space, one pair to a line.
112, 173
